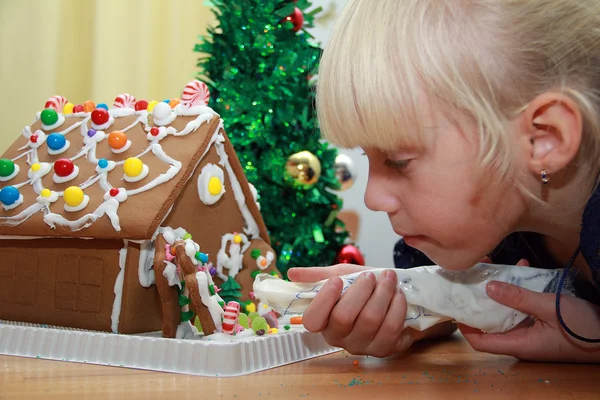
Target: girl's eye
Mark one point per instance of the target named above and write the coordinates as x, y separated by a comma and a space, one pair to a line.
398, 165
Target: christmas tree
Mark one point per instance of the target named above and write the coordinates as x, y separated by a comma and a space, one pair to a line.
259, 63
230, 290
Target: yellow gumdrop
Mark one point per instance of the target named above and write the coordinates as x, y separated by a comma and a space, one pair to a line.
46, 193
215, 186
273, 330
151, 105
68, 108
35, 167
237, 239
250, 308
133, 167
73, 196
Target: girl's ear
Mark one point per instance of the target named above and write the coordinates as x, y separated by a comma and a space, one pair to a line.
552, 124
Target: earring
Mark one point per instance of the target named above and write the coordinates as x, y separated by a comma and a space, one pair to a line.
545, 178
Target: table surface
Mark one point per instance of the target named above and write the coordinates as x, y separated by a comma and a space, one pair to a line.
447, 369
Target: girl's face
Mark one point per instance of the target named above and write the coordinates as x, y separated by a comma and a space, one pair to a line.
439, 200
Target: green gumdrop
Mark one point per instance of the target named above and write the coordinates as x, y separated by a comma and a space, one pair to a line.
243, 321
259, 323
251, 317
197, 324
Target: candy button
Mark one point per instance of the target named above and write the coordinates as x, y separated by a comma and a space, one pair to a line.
56, 141
33, 138
173, 103
114, 192
154, 131
103, 106
7, 167
237, 239
141, 105
78, 108
103, 163
63, 167
117, 140
100, 116
89, 106
36, 167
46, 193
202, 257
91, 132
215, 186
151, 105
73, 196
68, 108
9, 195
49, 116
133, 167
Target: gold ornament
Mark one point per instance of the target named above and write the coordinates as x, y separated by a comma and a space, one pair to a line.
304, 168
345, 171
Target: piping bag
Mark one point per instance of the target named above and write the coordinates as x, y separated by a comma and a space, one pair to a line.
433, 295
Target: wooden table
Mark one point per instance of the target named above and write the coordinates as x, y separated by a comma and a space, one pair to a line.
446, 369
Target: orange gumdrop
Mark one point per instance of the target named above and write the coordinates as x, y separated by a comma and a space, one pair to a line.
117, 140
89, 106
296, 320
173, 103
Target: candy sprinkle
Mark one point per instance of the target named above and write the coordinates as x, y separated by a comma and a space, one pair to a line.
296, 320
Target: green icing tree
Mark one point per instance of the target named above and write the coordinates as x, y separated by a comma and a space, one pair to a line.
230, 291
259, 66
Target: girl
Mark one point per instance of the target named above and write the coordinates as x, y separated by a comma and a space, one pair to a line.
480, 118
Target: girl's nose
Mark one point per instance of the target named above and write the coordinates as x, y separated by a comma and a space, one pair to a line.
379, 195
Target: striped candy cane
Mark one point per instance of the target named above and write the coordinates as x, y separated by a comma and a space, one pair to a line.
232, 312
196, 93
124, 100
56, 102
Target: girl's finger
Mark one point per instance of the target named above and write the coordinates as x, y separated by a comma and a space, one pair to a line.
539, 305
316, 274
316, 316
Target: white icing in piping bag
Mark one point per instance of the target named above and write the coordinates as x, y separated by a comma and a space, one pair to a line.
433, 295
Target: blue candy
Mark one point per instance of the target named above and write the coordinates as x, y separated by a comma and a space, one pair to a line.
102, 163
102, 105
56, 141
202, 257
166, 101
9, 195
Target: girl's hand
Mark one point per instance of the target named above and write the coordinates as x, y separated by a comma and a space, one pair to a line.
545, 340
368, 319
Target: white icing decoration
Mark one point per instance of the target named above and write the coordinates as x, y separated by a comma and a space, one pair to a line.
59, 122
15, 204
84, 204
254, 195
105, 125
233, 260
48, 200
268, 260
211, 302
118, 289
44, 170
162, 178
163, 114
170, 273
209, 171
162, 133
146, 264
121, 112
11, 176
122, 149
191, 248
142, 175
171, 235
23, 216
111, 165
263, 308
183, 110
59, 151
70, 177
41, 139
109, 207
97, 138
185, 330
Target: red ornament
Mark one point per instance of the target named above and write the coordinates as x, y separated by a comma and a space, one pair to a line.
100, 116
141, 105
114, 192
64, 167
350, 254
297, 19
33, 138
78, 108
154, 131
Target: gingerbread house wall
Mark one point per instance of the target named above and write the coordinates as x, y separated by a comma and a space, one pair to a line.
208, 223
64, 282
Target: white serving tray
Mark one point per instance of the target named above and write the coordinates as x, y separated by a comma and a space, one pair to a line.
152, 352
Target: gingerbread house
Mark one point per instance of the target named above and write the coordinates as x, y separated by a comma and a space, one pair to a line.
106, 214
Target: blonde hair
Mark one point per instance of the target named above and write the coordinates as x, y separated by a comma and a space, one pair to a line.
484, 58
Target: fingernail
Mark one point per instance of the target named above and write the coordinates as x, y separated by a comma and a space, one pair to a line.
391, 276
367, 276
335, 283
495, 289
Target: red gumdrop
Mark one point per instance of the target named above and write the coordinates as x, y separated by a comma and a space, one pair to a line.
33, 138
141, 105
154, 131
114, 192
78, 108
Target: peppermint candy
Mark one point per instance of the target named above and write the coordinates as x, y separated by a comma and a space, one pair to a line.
57, 103
124, 100
196, 93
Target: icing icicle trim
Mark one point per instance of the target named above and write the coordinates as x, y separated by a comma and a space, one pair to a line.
118, 289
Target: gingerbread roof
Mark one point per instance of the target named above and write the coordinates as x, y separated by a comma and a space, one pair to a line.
110, 174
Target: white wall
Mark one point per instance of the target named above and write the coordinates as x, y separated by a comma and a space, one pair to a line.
376, 238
